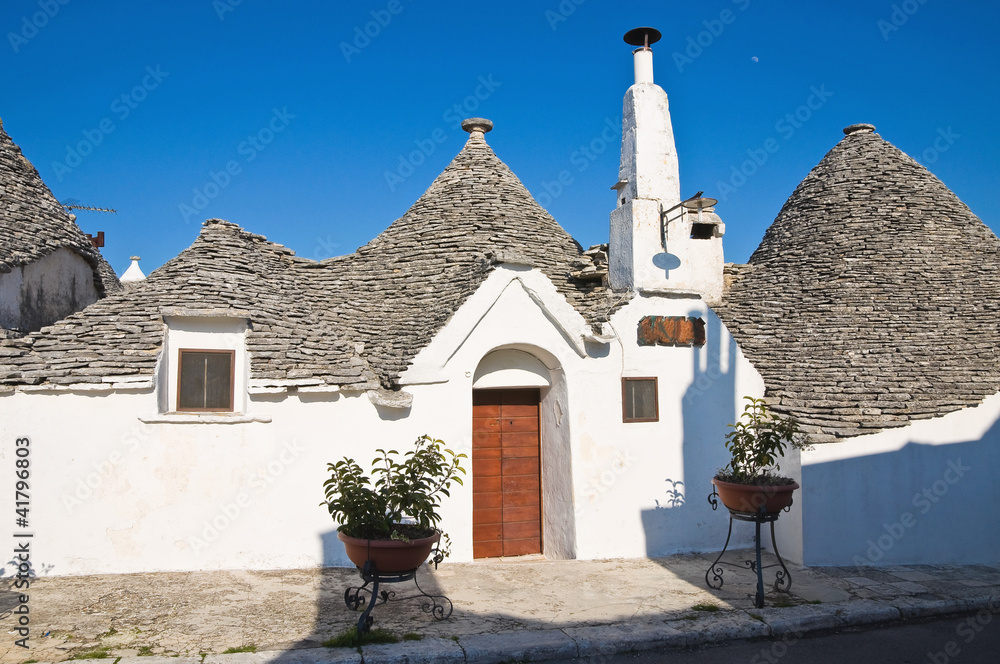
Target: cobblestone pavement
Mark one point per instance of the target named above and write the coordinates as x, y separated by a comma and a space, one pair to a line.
551, 608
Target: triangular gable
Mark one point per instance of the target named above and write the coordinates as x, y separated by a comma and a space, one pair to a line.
542, 317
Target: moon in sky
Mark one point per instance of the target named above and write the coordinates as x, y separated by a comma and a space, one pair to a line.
755, 59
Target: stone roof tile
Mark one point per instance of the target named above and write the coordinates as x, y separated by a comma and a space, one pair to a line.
401, 288
354, 321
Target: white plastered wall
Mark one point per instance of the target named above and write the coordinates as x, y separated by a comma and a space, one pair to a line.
46, 290
116, 488
648, 481
645, 482
926, 493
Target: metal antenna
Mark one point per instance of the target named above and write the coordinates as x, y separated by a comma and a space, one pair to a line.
73, 204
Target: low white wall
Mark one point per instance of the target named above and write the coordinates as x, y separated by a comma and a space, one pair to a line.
925, 493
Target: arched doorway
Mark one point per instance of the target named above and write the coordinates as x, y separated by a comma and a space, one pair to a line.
506, 454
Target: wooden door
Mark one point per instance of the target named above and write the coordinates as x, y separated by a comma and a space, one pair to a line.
506, 473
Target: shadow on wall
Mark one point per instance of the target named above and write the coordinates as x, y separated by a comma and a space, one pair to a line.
922, 504
683, 520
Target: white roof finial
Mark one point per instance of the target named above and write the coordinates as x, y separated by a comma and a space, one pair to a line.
133, 273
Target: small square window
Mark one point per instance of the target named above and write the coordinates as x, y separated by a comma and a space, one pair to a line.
205, 380
639, 400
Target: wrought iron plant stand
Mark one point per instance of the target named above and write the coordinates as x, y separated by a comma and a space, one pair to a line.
439, 606
782, 577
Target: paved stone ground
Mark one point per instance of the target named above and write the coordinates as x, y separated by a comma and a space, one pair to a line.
562, 608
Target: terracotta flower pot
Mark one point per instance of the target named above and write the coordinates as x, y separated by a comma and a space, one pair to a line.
389, 556
749, 497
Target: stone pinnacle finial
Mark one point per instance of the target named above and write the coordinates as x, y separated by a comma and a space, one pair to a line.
855, 128
133, 274
481, 125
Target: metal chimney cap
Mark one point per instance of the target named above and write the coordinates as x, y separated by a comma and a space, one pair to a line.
642, 37
477, 124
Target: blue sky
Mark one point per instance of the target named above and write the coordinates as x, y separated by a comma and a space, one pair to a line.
317, 124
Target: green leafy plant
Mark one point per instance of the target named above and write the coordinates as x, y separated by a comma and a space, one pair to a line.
401, 498
756, 442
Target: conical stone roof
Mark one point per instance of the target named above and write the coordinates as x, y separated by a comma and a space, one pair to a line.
399, 290
33, 224
227, 270
355, 321
873, 299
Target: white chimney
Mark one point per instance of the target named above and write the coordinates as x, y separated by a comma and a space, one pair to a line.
643, 60
656, 244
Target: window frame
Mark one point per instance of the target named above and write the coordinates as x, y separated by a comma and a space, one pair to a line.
232, 379
656, 399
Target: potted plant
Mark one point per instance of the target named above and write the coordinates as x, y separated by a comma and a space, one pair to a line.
389, 520
756, 442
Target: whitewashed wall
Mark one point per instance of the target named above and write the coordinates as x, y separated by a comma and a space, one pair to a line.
46, 290
111, 493
924, 493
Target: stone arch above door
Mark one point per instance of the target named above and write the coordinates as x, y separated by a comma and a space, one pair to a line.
511, 368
